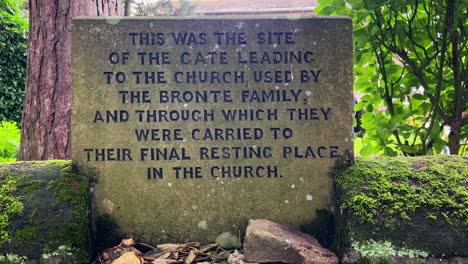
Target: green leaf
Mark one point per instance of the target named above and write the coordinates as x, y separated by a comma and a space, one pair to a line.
367, 150
9, 141
325, 2
390, 152
418, 97
416, 149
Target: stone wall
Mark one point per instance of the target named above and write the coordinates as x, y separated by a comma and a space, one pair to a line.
416, 203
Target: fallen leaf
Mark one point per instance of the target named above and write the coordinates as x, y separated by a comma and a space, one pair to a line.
193, 244
164, 261
114, 253
154, 253
164, 256
169, 247
202, 259
128, 258
197, 251
146, 245
146, 259
208, 247
128, 242
105, 256
191, 257
187, 253
219, 256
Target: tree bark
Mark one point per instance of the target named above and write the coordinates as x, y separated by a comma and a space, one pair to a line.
45, 132
128, 7
454, 138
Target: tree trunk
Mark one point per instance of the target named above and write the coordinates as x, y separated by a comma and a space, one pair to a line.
454, 138
45, 132
128, 7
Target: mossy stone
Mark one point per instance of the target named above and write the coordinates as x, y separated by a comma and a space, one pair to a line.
417, 203
55, 200
228, 241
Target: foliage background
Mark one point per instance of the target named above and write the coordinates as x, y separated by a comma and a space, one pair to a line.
411, 68
164, 8
13, 55
9, 141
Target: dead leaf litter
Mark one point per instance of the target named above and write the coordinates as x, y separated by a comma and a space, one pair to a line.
130, 251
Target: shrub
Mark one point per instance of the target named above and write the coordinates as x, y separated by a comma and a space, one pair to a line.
9, 141
13, 51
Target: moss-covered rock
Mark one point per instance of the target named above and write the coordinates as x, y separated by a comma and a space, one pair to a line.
417, 203
54, 205
228, 241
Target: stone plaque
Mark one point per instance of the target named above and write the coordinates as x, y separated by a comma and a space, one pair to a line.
193, 126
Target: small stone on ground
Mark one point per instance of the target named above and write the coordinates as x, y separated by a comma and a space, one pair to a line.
266, 241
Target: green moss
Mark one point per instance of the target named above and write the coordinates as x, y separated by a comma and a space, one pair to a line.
55, 214
389, 190
29, 185
66, 164
420, 202
73, 188
31, 231
9, 205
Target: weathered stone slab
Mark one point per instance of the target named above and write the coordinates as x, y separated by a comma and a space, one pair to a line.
193, 126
